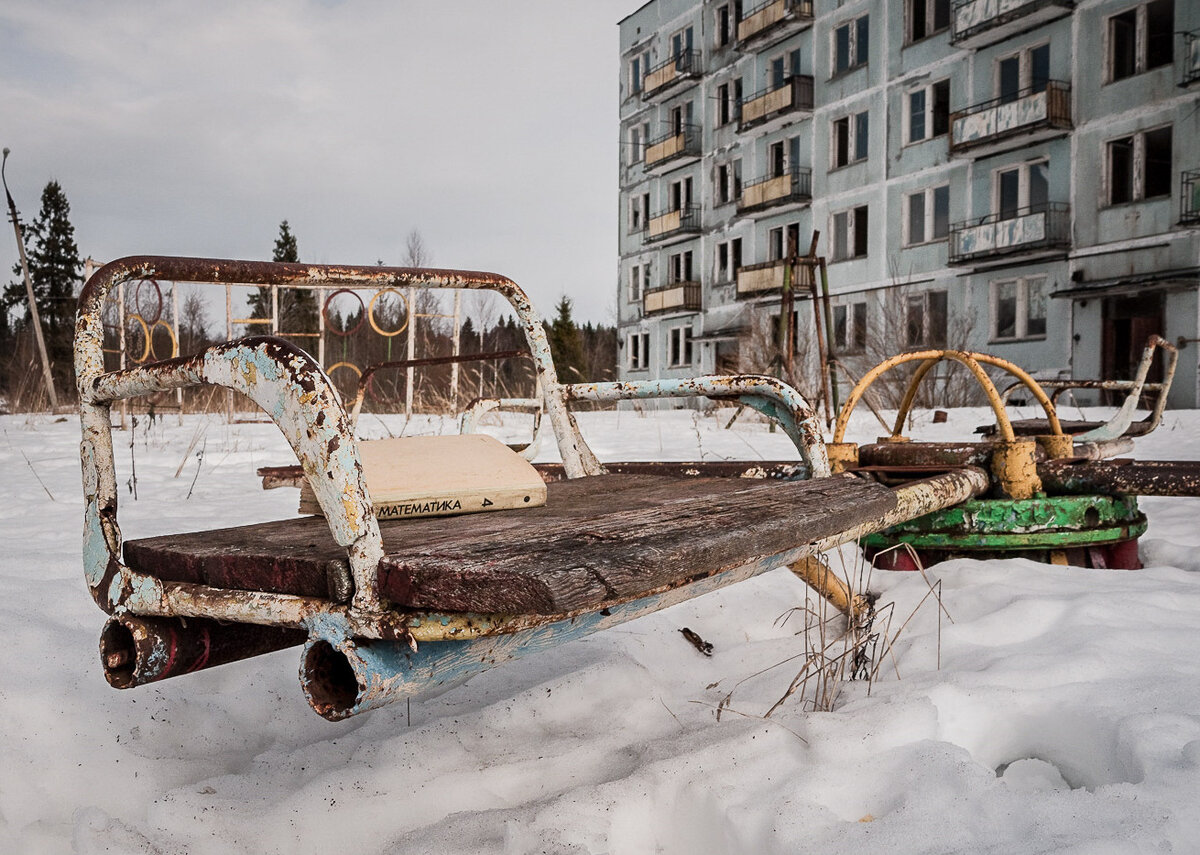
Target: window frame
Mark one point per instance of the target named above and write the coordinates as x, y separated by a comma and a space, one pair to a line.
928, 112
638, 357
931, 28
1142, 54
1023, 184
855, 140
680, 352
852, 229
928, 216
1021, 308
1137, 176
857, 55
846, 331
926, 338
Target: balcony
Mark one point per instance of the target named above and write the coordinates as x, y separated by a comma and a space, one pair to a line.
770, 21
767, 278
776, 193
1191, 58
677, 148
1189, 198
976, 23
1034, 114
671, 226
794, 95
1027, 230
676, 297
676, 70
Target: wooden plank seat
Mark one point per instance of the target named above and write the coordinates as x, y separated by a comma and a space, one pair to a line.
599, 541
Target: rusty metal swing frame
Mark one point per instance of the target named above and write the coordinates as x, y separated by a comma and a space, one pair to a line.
360, 652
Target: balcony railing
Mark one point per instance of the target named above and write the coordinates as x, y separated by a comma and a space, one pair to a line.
677, 145
1189, 198
1042, 227
975, 23
1036, 108
771, 16
676, 297
1191, 58
685, 66
793, 187
767, 277
794, 95
670, 224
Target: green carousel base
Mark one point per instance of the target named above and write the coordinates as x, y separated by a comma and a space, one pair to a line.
1085, 531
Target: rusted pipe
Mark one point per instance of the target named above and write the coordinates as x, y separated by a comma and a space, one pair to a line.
1122, 477
139, 650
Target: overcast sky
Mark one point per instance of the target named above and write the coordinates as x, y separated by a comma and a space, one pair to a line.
193, 128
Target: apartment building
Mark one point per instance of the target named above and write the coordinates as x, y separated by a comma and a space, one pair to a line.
1015, 176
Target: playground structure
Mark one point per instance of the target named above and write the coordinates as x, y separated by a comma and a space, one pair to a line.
1057, 496
386, 610
392, 608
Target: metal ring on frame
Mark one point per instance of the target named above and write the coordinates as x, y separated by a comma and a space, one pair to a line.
170, 332
137, 300
361, 320
329, 371
371, 312
145, 333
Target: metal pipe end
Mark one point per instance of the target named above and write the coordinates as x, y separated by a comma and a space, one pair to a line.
118, 655
329, 681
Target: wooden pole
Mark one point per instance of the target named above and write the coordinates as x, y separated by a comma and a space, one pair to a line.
34, 318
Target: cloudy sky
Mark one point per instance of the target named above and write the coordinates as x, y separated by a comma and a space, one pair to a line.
186, 128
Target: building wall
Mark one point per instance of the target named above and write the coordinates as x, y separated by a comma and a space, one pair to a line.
1030, 180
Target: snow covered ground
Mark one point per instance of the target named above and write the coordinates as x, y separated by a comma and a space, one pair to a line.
1064, 716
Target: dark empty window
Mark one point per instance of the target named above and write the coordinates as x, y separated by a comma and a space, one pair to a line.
1158, 163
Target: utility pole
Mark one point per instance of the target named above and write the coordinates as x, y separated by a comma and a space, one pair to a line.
33, 311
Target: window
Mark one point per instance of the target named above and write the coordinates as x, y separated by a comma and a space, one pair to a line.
639, 351
776, 159
1139, 166
724, 28
725, 107
638, 137
680, 117
679, 267
679, 195
639, 212
925, 17
927, 215
681, 45
639, 281
850, 234
794, 61
737, 178
778, 72
925, 319
851, 45
1019, 308
729, 259
850, 139
1140, 39
679, 346
638, 67
783, 240
1021, 189
850, 327
737, 99
928, 112
1022, 73
722, 188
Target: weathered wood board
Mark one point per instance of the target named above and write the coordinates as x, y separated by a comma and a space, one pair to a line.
598, 540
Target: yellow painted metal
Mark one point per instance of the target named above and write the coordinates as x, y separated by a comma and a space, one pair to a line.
1057, 445
930, 358
842, 456
1014, 463
836, 590
974, 363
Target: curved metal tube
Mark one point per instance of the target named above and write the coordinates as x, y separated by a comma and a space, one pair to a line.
770, 396
931, 356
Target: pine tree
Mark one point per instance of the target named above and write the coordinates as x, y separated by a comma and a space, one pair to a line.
297, 308
56, 270
566, 346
